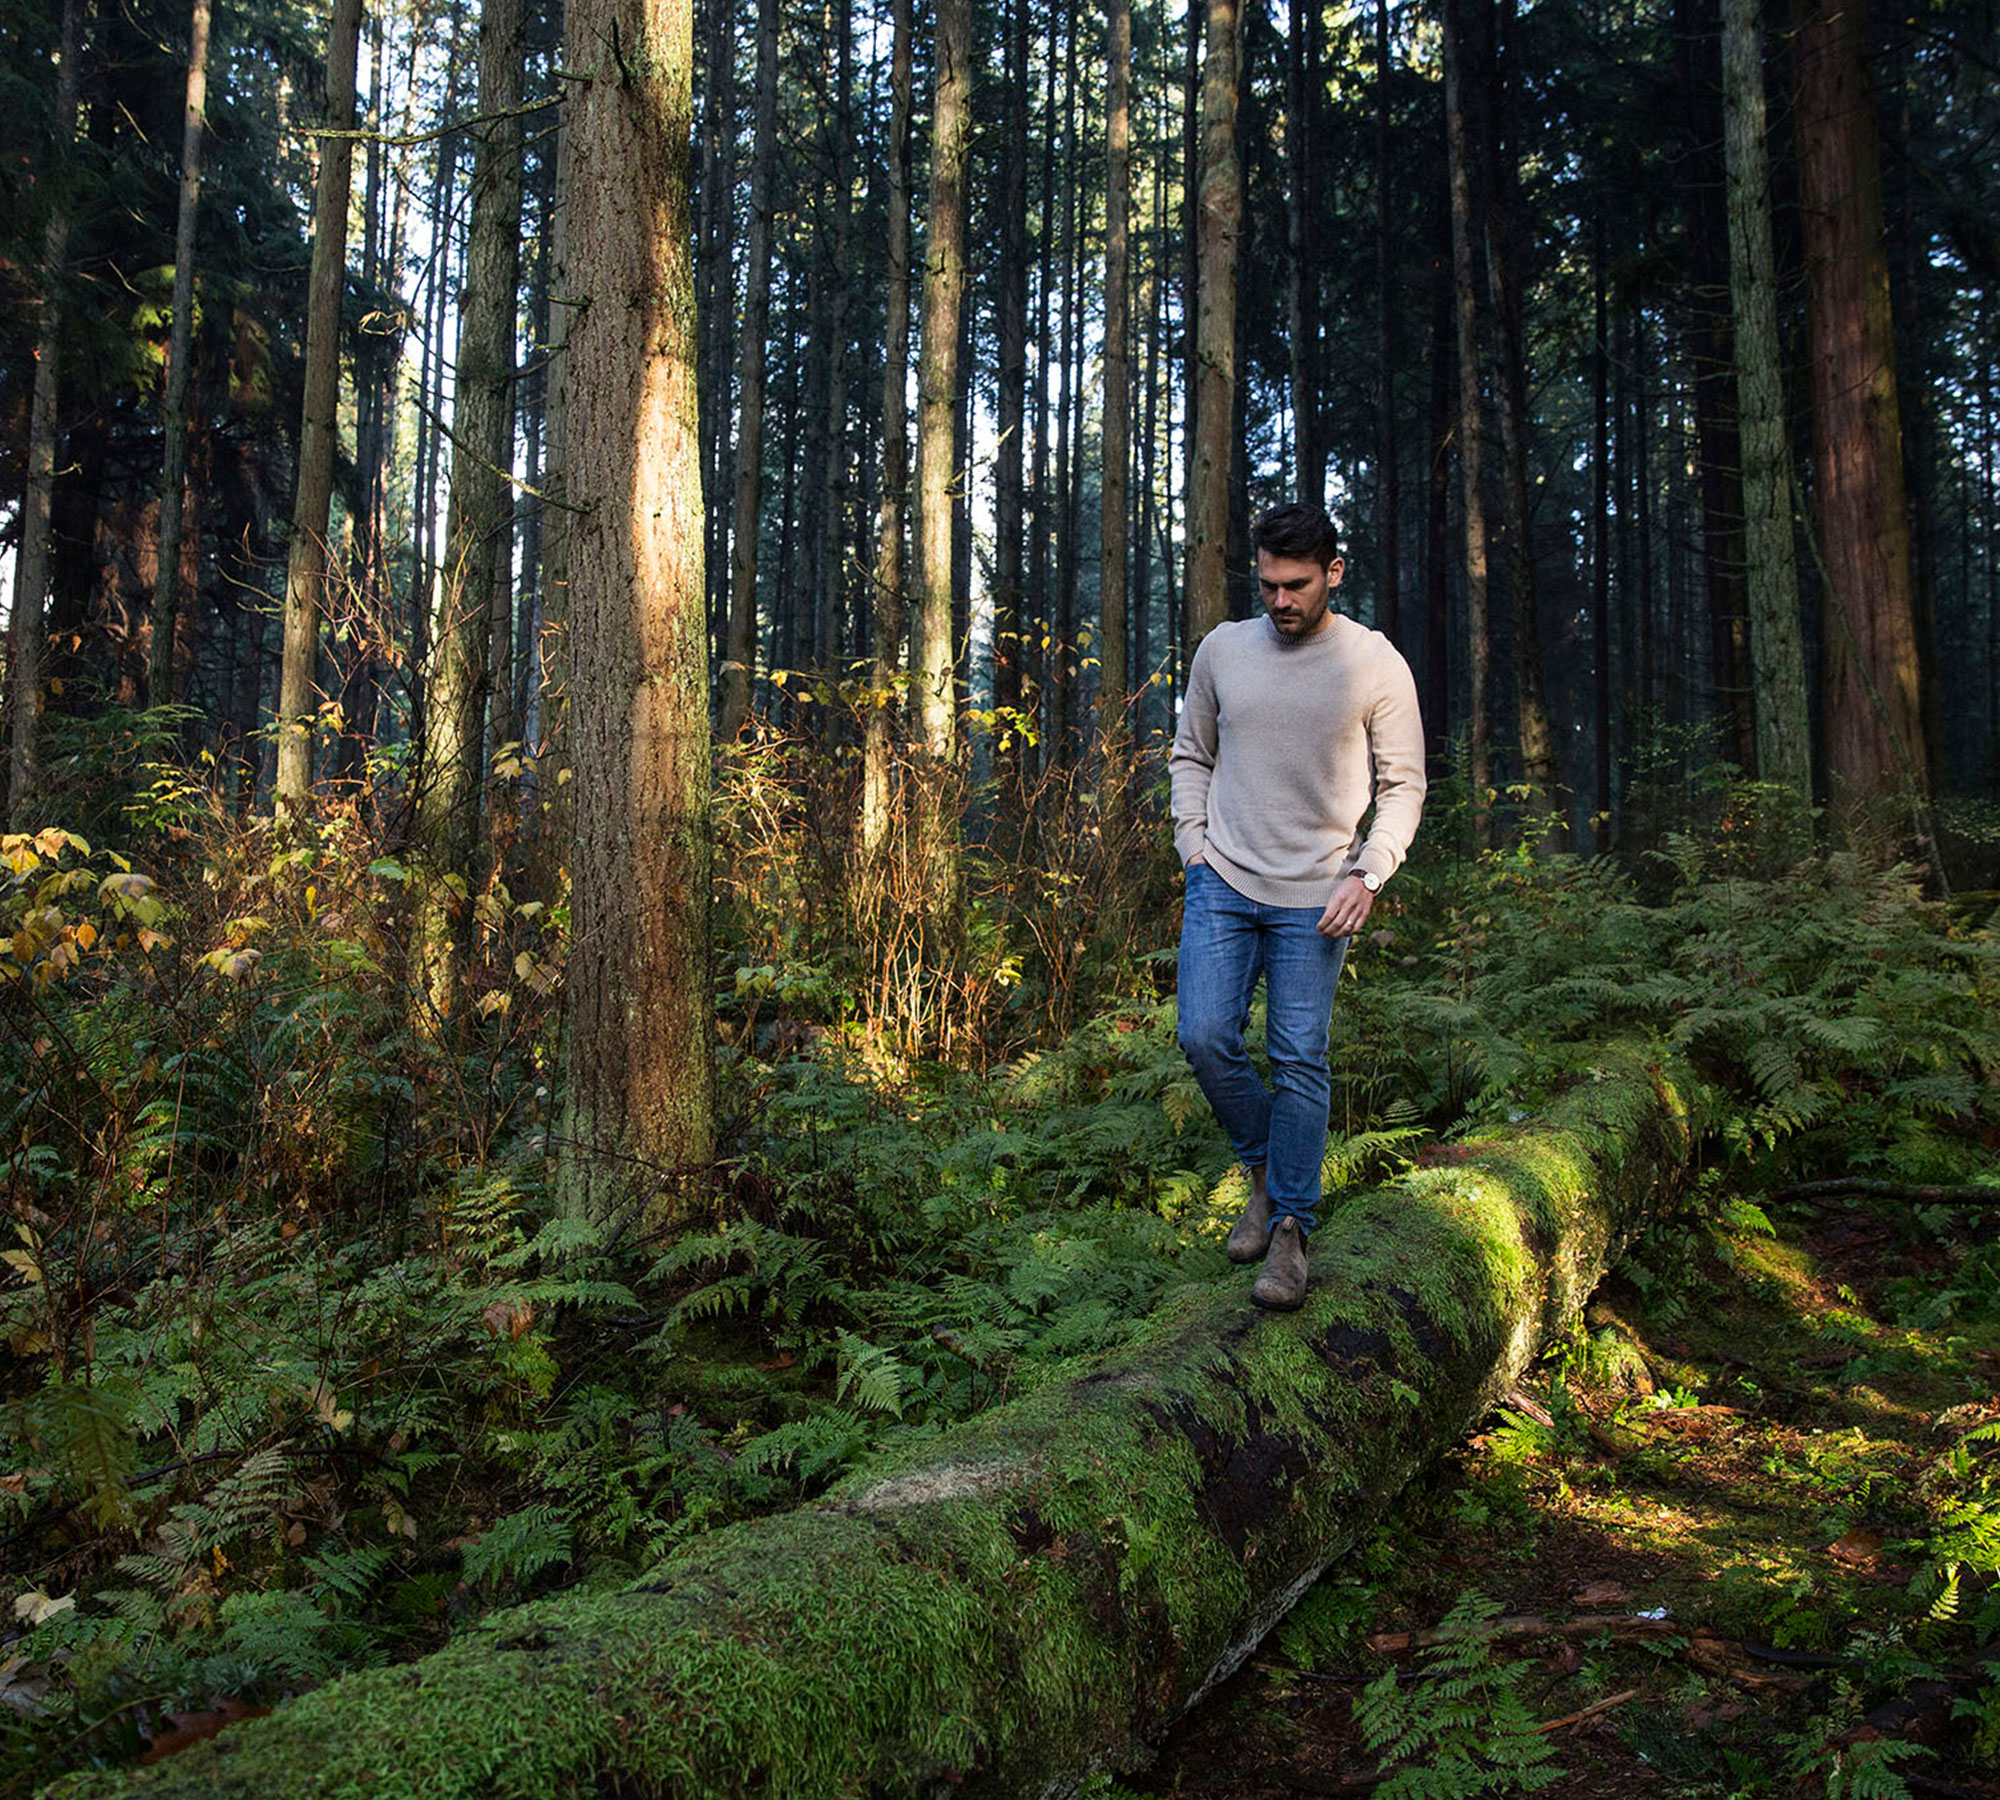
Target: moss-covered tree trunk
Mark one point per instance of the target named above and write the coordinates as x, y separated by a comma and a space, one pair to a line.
1034, 1596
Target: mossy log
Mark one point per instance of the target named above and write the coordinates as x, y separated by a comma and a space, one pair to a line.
1032, 1597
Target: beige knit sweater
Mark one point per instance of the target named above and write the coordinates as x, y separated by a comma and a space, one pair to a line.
1280, 748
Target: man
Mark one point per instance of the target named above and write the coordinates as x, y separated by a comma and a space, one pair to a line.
1292, 723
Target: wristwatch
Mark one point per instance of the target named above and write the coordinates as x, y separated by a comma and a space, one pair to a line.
1370, 880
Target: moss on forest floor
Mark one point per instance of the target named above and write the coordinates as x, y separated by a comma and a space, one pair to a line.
1754, 1439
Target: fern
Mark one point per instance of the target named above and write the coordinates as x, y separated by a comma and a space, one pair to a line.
518, 1547
1461, 1728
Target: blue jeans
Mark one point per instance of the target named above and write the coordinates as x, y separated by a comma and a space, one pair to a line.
1227, 941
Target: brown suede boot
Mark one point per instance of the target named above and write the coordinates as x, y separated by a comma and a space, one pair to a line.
1281, 1285
1250, 1237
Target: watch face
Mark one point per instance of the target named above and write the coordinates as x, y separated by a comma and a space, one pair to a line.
1371, 881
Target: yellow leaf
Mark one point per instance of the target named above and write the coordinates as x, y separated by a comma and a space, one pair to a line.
150, 940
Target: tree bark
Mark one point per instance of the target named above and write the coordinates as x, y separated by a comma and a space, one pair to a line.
1541, 769
638, 1126
739, 663
1470, 430
319, 421
1029, 1599
1114, 675
180, 347
1009, 488
886, 583
1873, 722
1777, 650
931, 649
480, 513
1218, 226
33, 559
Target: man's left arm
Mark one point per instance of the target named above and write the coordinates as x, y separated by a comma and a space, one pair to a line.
1395, 730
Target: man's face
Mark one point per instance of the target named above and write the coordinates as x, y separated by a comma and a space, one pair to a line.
1297, 591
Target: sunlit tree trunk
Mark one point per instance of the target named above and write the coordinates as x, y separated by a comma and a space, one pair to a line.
638, 1127
886, 582
319, 424
32, 560
1874, 732
1218, 226
480, 513
1114, 680
739, 663
931, 649
1473, 496
1777, 652
180, 343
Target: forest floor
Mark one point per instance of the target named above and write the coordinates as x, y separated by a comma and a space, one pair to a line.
1705, 1528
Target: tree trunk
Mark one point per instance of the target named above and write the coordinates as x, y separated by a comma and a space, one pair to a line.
1600, 525
739, 663
1470, 432
931, 649
1388, 475
1874, 730
1540, 768
480, 513
1308, 484
160, 689
1030, 1599
319, 422
1217, 228
638, 1127
1777, 651
1009, 523
886, 583
32, 561
1113, 674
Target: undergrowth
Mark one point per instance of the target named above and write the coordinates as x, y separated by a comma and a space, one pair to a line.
307, 1374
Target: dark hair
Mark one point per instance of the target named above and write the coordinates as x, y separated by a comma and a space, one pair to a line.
1302, 532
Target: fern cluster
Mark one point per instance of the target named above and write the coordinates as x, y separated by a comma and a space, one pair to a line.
1462, 1727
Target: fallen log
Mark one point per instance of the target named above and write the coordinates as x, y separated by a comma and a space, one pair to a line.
1031, 1598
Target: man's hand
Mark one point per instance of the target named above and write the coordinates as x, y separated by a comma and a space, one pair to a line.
1348, 910
1197, 861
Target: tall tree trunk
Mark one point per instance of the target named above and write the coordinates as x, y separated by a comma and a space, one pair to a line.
1437, 521
1540, 767
1389, 522
716, 296
1777, 651
638, 1126
886, 582
1218, 227
740, 653
480, 514
32, 561
1470, 433
1009, 524
1600, 524
319, 422
180, 345
1063, 633
1114, 677
1302, 274
1874, 730
829, 622
931, 649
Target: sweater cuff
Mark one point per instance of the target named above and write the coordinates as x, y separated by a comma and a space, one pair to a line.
1189, 842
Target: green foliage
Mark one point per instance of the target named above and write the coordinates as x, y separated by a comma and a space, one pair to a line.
1462, 1727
